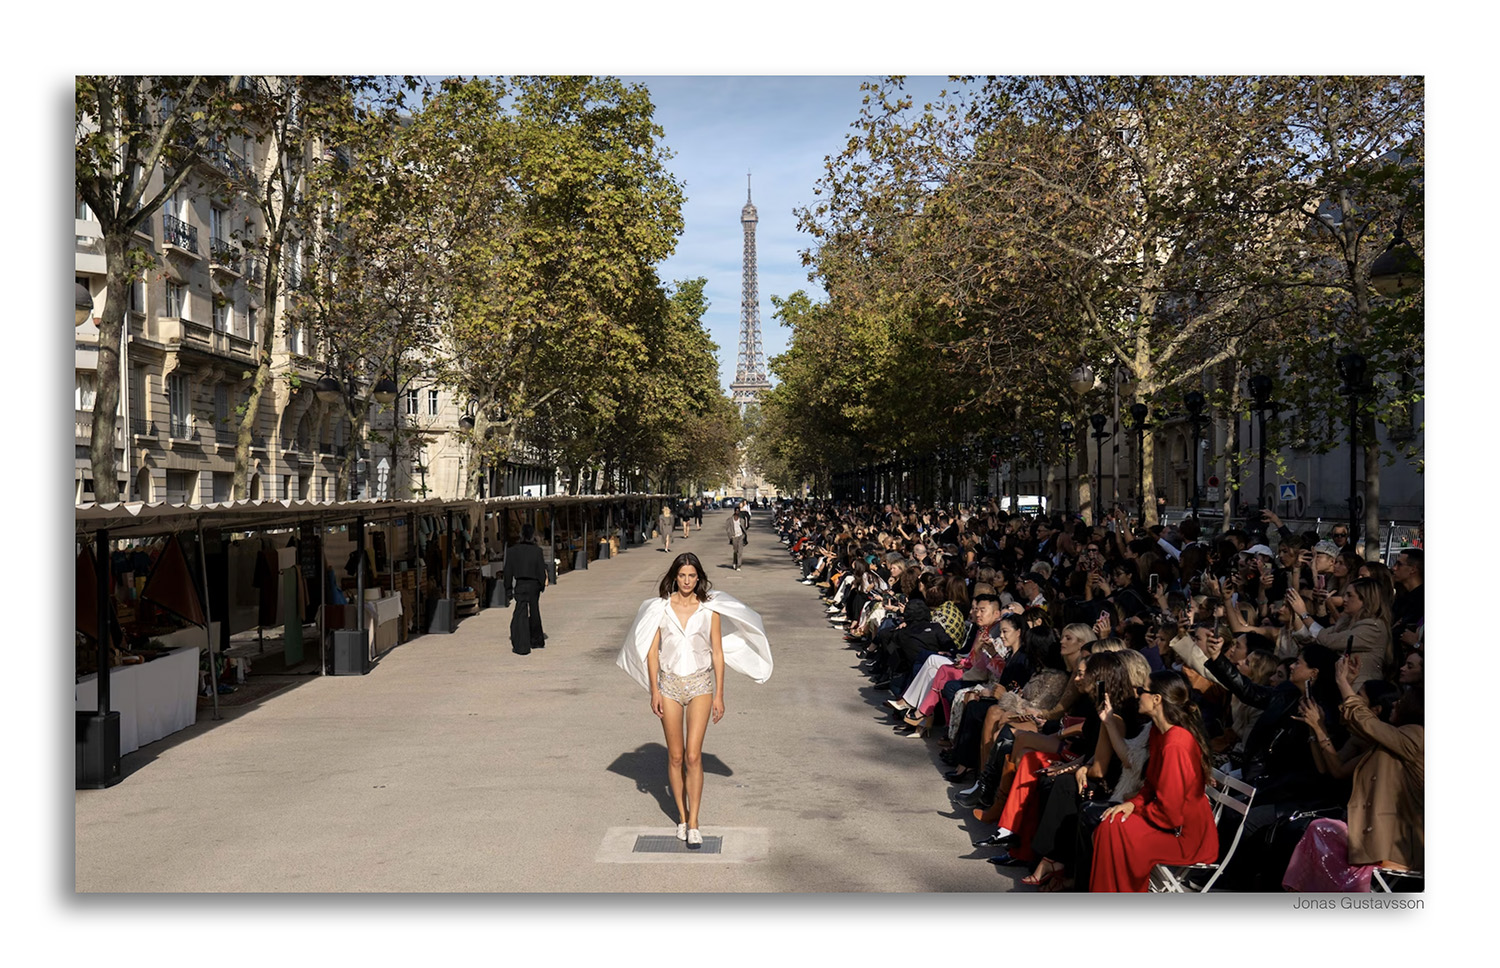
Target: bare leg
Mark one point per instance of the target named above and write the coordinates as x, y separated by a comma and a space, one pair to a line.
671, 725
698, 710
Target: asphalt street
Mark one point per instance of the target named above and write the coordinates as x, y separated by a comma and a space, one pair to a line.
458, 766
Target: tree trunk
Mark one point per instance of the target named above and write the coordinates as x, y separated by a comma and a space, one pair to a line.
1147, 481
102, 459
262, 377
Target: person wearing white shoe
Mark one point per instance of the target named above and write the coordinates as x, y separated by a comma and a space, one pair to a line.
677, 649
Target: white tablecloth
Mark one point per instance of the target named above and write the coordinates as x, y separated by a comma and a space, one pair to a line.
383, 617
154, 699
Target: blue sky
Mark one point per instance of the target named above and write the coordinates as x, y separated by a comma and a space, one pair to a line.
779, 129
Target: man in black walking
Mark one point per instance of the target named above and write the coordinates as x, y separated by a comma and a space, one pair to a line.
526, 572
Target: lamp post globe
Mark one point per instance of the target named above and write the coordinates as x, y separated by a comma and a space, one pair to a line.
83, 304
1081, 380
385, 390
1398, 270
328, 389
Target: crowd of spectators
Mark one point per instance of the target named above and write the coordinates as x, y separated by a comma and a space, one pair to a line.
1082, 683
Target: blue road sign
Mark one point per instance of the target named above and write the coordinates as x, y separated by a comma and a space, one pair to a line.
1288, 492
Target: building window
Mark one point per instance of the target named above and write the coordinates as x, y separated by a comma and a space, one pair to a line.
175, 297
83, 390
216, 228
182, 487
293, 338
250, 323
286, 485
222, 315
223, 486
221, 407
81, 210
411, 403
177, 405
432, 403
138, 296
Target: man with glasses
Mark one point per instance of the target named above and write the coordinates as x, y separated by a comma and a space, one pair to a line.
1406, 612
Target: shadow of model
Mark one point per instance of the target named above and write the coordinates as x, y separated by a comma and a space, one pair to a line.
647, 766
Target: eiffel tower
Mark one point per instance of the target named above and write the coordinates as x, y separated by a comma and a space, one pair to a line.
750, 379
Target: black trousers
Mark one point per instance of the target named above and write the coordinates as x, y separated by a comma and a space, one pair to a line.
526, 618
970, 730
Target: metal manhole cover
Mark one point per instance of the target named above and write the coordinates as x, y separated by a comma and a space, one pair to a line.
669, 844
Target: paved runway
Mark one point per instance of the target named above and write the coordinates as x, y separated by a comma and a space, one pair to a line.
456, 765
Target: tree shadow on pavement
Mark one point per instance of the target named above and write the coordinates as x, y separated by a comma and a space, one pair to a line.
647, 766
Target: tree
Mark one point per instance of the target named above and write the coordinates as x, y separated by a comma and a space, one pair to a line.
298, 121
1133, 220
1357, 149
555, 330
128, 131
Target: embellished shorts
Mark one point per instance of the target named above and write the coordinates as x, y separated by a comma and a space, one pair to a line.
682, 688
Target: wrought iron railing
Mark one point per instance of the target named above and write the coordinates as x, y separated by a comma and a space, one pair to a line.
225, 254
174, 231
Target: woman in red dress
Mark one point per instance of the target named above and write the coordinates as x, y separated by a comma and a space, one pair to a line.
1170, 821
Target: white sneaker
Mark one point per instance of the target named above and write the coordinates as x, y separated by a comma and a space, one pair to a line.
682, 831
694, 838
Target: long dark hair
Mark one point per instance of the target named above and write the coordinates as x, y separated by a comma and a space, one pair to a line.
669, 582
1178, 708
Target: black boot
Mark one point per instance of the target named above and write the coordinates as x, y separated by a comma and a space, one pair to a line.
989, 778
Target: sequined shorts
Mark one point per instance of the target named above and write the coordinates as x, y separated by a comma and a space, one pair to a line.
682, 688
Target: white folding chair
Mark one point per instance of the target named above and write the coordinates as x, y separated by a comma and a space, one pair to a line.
1227, 793
1381, 877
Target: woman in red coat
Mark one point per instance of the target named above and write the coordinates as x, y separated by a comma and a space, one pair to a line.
1170, 821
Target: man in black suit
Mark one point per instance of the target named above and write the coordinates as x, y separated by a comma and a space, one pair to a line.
526, 572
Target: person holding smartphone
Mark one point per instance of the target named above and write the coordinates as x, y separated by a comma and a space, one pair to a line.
1170, 821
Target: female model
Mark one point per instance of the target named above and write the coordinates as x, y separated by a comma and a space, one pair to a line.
664, 528
677, 648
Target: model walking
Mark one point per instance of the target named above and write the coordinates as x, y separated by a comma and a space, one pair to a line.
664, 528
677, 649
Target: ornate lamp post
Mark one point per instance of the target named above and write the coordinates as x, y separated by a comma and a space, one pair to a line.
1065, 433
1100, 435
1260, 390
1138, 412
1351, 369
1194, 402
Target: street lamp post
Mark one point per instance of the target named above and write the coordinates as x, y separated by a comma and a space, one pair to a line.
1040, 439
1066, 433
1100, 435
1138, 413
1260, 390
1194, 402
385, 393
1351, 369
